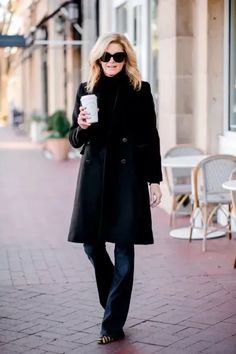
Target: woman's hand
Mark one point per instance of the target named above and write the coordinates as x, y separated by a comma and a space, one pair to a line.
82, 118
155, 194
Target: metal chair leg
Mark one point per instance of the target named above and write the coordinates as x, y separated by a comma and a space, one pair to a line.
205, 213
229, 221
173, 212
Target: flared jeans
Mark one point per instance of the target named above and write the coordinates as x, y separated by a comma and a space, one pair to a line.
114, 284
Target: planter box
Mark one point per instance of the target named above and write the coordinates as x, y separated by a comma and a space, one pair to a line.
59, 147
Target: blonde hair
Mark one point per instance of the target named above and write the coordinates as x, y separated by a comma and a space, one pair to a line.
100, 47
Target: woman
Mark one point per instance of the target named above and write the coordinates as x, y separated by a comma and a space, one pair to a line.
121, 156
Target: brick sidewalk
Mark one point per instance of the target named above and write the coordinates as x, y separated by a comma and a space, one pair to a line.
183, 302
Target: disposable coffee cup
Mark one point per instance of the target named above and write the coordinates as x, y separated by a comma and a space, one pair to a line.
90, 103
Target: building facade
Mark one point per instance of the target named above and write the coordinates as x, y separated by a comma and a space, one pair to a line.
186, 49
43, 76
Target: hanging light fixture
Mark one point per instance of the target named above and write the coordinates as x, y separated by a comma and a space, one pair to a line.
41, 33
60, 24
72, 12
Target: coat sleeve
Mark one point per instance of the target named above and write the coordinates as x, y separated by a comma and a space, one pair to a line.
77, 135
153, 156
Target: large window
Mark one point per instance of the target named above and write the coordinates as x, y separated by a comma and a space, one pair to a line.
139, 37
137, 19
122, 18
232, 66
154, 46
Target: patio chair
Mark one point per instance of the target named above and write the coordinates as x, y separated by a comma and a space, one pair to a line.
233, 197
179, 180
233, 193
208, 193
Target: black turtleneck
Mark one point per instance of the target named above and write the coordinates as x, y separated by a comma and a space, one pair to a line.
107, 91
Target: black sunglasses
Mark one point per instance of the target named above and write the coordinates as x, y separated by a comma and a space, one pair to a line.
118, 57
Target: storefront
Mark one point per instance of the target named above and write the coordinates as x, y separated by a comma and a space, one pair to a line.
137, 19
228, 139
187, 51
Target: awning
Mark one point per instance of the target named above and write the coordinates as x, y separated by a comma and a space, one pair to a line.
12, 41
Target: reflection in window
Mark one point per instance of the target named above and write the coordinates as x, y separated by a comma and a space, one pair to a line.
137, 33
232, 67
154, 47
121, 18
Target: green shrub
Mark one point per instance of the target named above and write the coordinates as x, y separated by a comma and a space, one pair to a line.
58, 125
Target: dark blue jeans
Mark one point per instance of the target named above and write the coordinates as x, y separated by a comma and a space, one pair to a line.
114, 283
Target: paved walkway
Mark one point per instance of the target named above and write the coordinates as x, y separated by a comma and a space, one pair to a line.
183, 302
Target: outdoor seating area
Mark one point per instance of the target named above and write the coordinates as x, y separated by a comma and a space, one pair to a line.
179, 178
209, 196
231, 186
191, 174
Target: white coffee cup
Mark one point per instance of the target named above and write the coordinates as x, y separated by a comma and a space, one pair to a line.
90, 103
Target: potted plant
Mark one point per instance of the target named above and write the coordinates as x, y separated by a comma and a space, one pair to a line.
57, 139
37, 126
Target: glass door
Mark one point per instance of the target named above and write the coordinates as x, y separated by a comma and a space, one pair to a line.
131, 18
154, 48
140, 34
232, 66
121, 18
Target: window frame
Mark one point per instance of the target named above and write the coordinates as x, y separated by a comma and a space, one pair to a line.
227, 63
131, 4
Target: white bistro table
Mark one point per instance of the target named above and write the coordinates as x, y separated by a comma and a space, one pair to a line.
231, 186
183, 161
183, 232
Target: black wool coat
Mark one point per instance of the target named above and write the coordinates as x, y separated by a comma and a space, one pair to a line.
121, 154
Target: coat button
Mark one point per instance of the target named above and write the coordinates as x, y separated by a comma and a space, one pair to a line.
124, 140
123, 161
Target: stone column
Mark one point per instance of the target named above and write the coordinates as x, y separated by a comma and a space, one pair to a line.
208, 73
184, 72
73, 74
167, 82
27, 74
200, 91
175, 77
215, 65
106, 16
89, 34
56, 73
175, 72
4, 77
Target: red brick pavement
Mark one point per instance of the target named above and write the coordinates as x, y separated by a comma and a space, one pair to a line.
184, 301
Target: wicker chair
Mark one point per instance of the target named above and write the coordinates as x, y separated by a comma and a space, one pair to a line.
208, 193
179, 179
233, 193
233, 196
